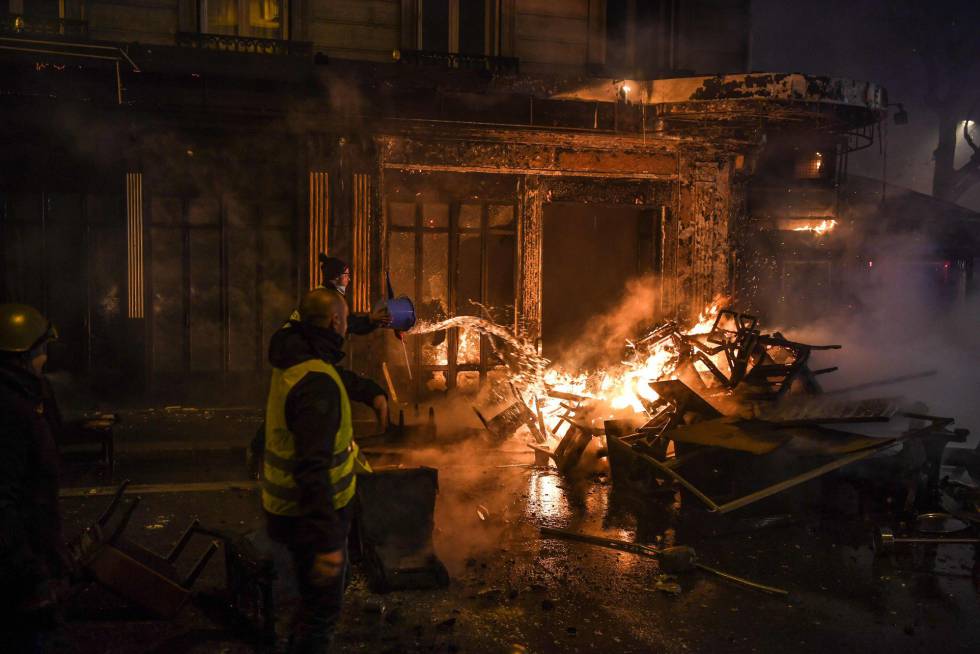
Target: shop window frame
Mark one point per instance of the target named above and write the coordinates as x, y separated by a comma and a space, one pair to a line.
453, 367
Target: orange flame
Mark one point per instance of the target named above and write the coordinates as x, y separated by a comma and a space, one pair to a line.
819, 228
623, 387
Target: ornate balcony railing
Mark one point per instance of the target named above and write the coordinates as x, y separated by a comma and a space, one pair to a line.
502, 65
249, 44
18, 25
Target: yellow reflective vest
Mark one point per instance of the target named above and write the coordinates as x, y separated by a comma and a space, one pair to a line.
280, 495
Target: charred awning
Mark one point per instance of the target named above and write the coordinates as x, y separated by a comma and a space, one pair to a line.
745, 98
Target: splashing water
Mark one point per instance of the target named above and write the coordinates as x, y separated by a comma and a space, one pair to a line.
525, 364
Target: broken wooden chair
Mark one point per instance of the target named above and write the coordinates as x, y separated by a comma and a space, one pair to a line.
133, 572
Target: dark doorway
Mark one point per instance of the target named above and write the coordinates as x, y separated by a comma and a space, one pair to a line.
590, 251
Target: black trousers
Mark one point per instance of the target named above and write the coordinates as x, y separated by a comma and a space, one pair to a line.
320, 604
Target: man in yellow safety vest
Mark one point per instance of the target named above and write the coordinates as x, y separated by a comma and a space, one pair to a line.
311, 460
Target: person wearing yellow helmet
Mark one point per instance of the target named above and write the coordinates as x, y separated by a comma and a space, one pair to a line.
33, 557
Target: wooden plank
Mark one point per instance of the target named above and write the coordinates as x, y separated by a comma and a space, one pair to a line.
681, 395
806, 476
820, 440
726, 434
707, 501
148, 489
830, 409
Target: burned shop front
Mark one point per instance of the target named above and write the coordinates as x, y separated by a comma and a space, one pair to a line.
535, 236
635, 355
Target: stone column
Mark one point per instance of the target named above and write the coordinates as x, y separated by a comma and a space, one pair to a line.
703, 245
530, 227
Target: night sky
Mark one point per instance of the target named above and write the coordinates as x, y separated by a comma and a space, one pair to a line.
857, 39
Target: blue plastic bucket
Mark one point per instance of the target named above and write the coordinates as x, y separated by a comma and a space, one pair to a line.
402, 313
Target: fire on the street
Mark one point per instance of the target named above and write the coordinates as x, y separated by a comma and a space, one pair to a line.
622, 388
618, 390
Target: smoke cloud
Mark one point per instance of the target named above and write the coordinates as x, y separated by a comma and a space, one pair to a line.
603, 341
910, 313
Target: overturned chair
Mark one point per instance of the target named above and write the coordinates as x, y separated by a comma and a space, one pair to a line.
136, 574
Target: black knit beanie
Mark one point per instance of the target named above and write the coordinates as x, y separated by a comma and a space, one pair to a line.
332, 267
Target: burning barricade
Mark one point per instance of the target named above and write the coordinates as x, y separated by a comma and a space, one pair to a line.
726, 413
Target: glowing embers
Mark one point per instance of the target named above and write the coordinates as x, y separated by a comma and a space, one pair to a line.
815, 226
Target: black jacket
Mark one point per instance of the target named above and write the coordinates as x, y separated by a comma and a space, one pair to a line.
313, 416
358, 324
31, 542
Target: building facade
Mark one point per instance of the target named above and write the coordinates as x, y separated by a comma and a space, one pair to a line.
174, 168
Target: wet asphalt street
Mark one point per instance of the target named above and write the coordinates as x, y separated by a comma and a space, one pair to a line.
514, 591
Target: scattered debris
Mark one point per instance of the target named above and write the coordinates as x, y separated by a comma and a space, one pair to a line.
885, 540
770, 400
517, 414
674, 559
666, 584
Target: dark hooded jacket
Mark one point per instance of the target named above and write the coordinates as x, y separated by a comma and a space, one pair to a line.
313, 417
31, 542
358, 324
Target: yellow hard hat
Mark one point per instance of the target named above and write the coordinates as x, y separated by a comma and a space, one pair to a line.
22, 328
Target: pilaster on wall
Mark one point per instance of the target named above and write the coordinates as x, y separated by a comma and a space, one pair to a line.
702, 242
134, 241
529, 247
138, 336
361, 242
319, 224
